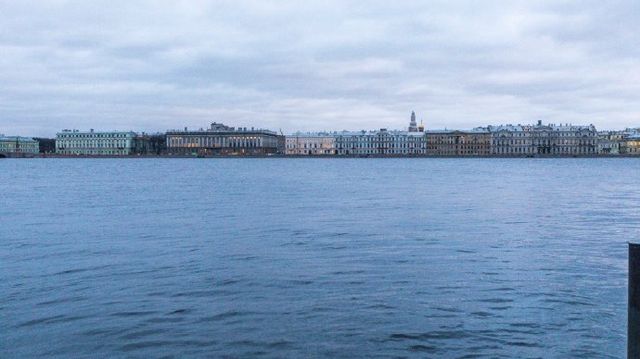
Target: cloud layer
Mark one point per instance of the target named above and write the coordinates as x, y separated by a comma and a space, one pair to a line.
316, 65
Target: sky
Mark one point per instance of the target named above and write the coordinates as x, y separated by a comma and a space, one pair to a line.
316, 65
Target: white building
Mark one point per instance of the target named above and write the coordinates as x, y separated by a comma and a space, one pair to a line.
310, 144
539, 139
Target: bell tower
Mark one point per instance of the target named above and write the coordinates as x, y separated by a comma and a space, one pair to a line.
413, 125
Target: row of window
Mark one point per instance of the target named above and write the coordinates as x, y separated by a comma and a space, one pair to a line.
378, 152
541, 143
308, 145
534, 150
446, 148
94, 152
94, 135
249, 142
92, 144
545, 134
377, 145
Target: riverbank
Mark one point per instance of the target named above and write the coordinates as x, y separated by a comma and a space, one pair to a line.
27, 156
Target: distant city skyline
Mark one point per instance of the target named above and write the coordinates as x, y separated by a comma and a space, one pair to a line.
316, 66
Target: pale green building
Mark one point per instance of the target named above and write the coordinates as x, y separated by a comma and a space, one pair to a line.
115, 143
17, 144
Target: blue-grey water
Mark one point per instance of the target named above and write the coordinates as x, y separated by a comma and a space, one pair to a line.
304, 258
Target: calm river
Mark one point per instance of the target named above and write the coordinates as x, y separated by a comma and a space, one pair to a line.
316, 258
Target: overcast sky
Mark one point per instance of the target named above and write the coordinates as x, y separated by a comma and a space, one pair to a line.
316, 65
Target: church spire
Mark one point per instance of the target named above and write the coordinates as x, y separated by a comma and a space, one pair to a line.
413, 125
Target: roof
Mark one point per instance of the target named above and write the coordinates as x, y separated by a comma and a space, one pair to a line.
446, 131
92, 132
17, 138
230, 132
379, 132
540, 127
311, 134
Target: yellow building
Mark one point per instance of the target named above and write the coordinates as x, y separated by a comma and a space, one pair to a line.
630, 145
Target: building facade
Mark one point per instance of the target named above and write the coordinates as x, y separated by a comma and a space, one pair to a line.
411, 142
458, 143
92, 143
630, 144
18, 145
510, 140
539, 139
382, 142
223, 140
609, 142
310, 144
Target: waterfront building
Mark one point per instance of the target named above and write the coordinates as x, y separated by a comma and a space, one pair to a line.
609, 142
92, 143
18, 145
630, 145
382, 142
310, 144
475, 142
224, 140
539, 139
510, 140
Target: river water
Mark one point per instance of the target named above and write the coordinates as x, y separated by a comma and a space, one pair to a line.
304, 258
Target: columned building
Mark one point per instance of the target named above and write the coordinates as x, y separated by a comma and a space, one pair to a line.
223, 140
310, 144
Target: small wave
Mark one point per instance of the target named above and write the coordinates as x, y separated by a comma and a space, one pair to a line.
436, 335
181, 311
225, 316
496, 300
423, 348
482, 314
133, 313
62, 300
51, 320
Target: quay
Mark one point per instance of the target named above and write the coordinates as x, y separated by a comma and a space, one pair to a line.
266, 156
218, 140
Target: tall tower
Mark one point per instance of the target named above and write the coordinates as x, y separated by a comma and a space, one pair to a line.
413, 125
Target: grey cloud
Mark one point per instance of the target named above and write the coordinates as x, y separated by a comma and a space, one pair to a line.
149, 65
